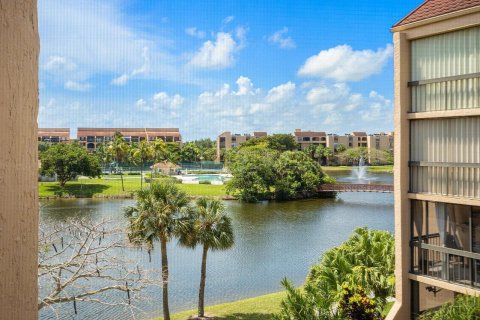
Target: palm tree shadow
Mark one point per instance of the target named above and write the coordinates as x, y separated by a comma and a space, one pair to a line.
78, 190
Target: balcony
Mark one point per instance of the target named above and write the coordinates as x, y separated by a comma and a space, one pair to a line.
445, 178
445, 242
442, 263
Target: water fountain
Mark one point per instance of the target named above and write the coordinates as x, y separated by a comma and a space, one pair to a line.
361, 171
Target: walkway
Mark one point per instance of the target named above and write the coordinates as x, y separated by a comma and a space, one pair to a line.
355, 187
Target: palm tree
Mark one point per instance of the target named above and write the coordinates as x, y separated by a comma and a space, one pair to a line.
210, 227
118, 148
103, 155
158, 215
142, 152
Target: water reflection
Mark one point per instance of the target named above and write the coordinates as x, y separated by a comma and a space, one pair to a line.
273, 240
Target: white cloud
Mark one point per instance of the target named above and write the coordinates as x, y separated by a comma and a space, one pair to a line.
59, 64
218, 54
281, 39
77, 86
283, 92
120, 80
161, 101
194, 32
245, 86
228, 19
342, 63
95, 38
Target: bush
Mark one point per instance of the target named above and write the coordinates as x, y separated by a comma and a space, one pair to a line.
463, 308
133, 174
205, 182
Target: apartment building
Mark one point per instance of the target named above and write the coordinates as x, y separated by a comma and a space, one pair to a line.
227, 140
380, 141
91, 137
437, 155
307, 138
53, 135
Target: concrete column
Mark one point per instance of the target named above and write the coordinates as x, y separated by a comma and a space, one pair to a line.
19, 51
401, 308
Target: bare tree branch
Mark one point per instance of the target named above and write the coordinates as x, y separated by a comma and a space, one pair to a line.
81, 261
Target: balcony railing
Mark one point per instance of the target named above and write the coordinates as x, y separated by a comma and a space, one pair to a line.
446, 264
445, 178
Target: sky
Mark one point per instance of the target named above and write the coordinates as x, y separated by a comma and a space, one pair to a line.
213, 66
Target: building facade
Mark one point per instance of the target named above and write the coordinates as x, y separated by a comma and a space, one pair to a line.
53, 135
227, 141
91, 137
307, 138
437, 155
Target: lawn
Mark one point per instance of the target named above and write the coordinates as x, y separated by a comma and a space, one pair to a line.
112, 187
258, 308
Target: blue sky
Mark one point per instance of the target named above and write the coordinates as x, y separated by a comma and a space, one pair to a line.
213, 66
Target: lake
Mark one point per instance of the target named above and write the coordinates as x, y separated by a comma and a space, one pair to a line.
273, 240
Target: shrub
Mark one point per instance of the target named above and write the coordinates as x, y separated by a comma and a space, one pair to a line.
205, 182
463, 308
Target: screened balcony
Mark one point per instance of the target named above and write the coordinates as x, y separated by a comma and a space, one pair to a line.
446, 71
445, 157
445, 242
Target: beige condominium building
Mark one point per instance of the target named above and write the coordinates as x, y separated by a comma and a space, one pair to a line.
53, 135
91, 137
227, 140
307, 138
437, 155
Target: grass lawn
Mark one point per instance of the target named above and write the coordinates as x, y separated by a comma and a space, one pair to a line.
258, 308
112, 187
373, 169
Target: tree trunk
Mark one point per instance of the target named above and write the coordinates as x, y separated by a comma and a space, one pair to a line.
166, 310
141, 177
203, 276
121, 177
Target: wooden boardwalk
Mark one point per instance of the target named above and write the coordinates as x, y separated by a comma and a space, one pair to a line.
355, 187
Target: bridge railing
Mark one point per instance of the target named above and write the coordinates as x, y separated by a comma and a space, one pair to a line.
355, 187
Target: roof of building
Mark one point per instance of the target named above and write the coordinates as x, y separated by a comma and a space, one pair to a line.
140, 132
433, 8
54, 132
359, 133
259, 133
299, 133
164, 165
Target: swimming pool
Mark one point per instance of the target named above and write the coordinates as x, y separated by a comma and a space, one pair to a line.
196, 178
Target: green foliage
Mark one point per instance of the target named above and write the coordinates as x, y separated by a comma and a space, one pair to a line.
68, 161
280, 142
355, 305
205, 182
43, 146
199, 150
365, 260
463, 308
388, 156
261, 173
253, 173
297, 176
305, 303
353, 155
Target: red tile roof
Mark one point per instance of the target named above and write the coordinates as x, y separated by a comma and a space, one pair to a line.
433, 8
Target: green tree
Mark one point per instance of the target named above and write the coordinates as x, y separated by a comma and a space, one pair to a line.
43, 146
282, 142
340, 148
68, 161
365, 260
158, 215
296, 176
160, 150
141, 153
101, 151
119, 151
355, 154
311, 150
253, 173
173, 152
210, 227
190, 152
